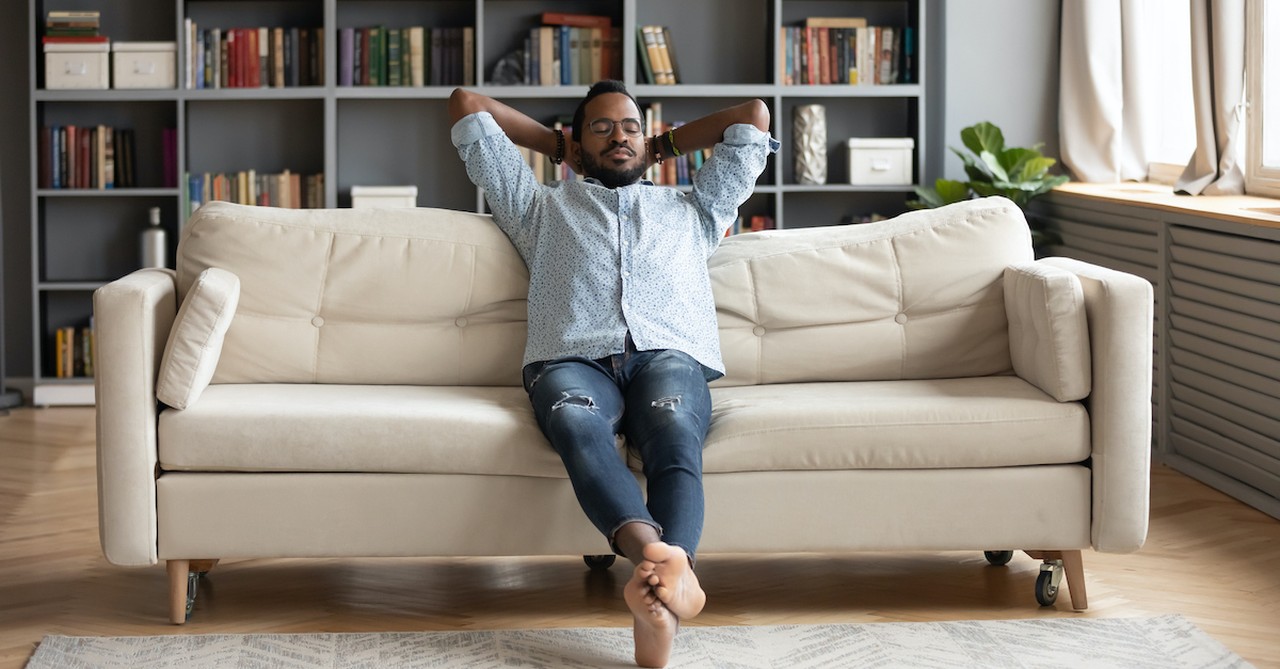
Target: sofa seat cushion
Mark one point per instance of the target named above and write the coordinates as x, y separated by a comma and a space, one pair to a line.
996, 421
343, 428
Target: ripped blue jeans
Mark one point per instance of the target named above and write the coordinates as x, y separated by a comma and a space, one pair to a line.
660, 402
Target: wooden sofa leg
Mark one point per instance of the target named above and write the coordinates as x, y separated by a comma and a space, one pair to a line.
1073, 565
178, 570
182, 575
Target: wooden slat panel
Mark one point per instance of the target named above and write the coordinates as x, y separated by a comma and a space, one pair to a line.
1257, 290
1244, 268
1226, 244
1250, 420
1250, 325
1266, 450
1218, 456
1243, 379
1247, 360
1228, 300
1145, 257
1266, 347
1231, 392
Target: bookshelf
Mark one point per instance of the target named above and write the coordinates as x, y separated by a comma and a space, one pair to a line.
357, 135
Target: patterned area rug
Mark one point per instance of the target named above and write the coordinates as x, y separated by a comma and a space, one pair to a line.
1163, 642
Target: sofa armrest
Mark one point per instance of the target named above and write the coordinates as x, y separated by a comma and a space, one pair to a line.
132, 319
1120, 310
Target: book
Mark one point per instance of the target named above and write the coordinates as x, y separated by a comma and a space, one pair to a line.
394, 58
580, 20
835, 22
596, 55
468, 56
650, 37
669, 47
416, 62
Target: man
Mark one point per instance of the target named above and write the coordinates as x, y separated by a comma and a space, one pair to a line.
622, 325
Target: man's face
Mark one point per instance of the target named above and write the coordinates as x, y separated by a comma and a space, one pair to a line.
616, 158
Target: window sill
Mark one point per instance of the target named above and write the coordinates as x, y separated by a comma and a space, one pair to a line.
1247, 209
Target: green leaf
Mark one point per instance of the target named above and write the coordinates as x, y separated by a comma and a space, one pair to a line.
1015, 161
951, 191
975, 170
929, 199
993, 166
983, 137
1034, 169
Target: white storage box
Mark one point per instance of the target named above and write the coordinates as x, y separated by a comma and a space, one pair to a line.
880, 161
383, 197
76, 65
145, 64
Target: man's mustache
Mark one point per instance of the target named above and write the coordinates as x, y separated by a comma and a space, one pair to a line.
618, 145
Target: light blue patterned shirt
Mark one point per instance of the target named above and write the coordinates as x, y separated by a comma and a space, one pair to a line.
604, 262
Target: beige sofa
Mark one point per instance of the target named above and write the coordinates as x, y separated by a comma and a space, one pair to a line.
915, 384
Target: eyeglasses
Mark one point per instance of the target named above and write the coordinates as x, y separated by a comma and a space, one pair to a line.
603, 127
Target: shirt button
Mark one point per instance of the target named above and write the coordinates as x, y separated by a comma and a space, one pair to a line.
758, 330
900, 319
461, 322
626, 274
317, 321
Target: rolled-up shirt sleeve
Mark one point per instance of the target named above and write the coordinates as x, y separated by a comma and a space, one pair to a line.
494, 164
728, 178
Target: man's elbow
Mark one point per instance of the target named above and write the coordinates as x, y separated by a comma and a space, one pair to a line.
758, 114
461, 103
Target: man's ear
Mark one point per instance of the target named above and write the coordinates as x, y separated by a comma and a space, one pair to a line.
573, 154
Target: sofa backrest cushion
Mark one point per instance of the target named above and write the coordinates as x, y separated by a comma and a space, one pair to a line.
195, 341
395, 296
914, 297
1048, 329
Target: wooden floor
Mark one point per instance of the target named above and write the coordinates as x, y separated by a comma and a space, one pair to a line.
1208, 557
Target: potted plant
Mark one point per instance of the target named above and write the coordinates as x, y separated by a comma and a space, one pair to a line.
1019, 174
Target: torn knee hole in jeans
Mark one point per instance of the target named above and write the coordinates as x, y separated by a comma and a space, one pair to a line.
668, 403
585, 401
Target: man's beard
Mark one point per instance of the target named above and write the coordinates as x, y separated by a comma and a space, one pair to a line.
611, 177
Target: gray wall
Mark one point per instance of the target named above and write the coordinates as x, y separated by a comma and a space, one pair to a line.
997, 61
1001, 66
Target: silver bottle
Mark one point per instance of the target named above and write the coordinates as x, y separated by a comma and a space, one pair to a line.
154, 246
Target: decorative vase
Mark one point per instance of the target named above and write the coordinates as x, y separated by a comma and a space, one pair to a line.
809, 135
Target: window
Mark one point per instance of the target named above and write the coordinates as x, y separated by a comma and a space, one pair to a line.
1262, 93
1165, 33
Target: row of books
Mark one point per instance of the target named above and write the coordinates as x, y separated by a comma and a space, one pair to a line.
657, 55
572, 55
73, 352
672, 171
260, 57
58, 23
286, 189
844, 50
413, 56
98, 157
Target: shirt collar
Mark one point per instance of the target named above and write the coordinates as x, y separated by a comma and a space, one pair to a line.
596, 182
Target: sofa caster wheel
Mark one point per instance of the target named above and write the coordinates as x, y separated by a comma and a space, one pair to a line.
998, 558
193, 583
1048, 582
599, 561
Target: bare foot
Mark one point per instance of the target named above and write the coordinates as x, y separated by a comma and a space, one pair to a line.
655, 625
673, 580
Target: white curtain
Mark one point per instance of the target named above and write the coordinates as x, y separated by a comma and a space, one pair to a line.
1104, 61
1217, 76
